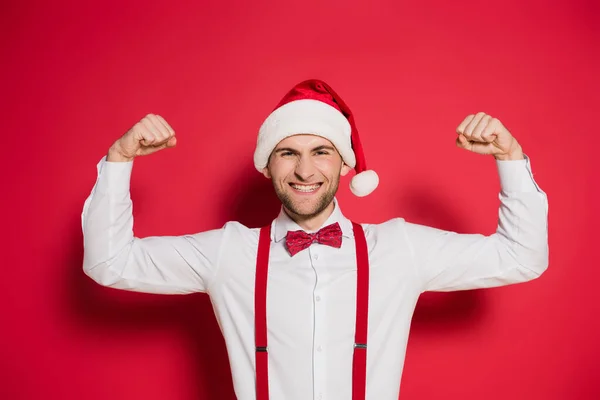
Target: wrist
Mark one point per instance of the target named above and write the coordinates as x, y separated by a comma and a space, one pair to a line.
514, 154
116, 155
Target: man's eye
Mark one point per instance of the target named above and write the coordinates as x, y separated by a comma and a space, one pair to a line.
322, 153
286, 153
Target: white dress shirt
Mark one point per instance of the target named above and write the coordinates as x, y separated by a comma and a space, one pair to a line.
311, 299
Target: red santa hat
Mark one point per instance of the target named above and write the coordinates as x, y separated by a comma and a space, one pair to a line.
312, 107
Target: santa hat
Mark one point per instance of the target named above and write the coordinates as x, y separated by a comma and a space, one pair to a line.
312, 107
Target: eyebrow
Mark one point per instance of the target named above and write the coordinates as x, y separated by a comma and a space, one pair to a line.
324, 147
318, 148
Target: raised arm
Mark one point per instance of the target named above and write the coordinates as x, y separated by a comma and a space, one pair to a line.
112, 255
517, 251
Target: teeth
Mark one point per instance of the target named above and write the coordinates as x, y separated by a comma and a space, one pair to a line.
305, 188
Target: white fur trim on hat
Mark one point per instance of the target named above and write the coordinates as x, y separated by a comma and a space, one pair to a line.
306, 116
364, 183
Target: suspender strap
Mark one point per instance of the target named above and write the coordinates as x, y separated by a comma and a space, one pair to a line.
359, 361
260, 314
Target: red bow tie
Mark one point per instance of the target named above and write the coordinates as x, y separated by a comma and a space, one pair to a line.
331, 235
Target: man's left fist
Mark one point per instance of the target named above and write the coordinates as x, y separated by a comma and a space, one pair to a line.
482, 134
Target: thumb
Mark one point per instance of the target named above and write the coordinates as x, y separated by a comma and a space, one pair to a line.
463, 142
144, 151
475, 147
168, 144
171, 142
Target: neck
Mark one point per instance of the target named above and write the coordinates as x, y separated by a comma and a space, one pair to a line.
312, 222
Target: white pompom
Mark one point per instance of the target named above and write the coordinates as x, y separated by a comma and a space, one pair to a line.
364, 183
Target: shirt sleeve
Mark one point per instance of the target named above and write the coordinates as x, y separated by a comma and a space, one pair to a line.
516, 252
114, 257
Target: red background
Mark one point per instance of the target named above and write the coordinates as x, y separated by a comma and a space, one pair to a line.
75, 77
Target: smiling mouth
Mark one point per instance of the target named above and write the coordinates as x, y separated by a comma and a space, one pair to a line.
306, 188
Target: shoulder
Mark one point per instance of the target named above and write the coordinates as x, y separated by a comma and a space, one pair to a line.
390, 231
240, 234
232, 232
394, 224
406, 229
237, 228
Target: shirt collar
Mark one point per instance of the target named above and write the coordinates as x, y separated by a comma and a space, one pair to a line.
283, 223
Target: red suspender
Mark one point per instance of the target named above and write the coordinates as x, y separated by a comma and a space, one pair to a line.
359, 361
260, 314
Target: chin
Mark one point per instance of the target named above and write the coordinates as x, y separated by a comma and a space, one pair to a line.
306, 211
301, 207
307, 208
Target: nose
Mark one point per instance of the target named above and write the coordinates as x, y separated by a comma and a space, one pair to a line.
304, 168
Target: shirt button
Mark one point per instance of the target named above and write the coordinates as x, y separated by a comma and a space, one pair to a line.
319, 349
316, 256
318, 298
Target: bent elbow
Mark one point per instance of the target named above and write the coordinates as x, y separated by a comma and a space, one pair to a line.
538, 264
101, 273
543, 264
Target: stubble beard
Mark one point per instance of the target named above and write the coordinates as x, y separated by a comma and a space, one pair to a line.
321, 204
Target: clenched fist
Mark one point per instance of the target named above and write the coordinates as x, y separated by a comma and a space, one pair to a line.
148, 136
482, 134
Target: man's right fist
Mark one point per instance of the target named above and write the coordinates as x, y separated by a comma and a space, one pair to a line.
148, 136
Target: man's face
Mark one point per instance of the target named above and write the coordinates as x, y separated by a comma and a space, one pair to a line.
305, 171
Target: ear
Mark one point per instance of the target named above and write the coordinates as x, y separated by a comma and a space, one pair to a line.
345, 169
266, 172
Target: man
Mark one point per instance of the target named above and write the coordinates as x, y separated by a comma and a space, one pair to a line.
314, 306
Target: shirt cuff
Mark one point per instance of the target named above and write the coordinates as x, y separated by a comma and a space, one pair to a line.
516, 176
113, 177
